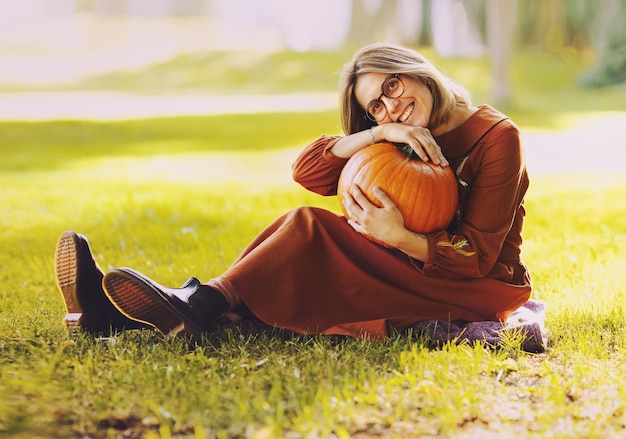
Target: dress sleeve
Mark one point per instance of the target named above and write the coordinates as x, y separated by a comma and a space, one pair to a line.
317, 169
496, 196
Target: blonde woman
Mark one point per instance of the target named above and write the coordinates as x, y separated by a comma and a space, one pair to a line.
313, 271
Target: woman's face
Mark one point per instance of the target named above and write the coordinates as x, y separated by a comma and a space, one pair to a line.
413, 107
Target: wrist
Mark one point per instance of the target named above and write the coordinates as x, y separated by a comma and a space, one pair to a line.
413, 244
375, 134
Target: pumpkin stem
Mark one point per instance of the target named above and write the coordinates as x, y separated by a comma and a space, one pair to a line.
407, 151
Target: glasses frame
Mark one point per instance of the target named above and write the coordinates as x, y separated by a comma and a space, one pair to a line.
368, 114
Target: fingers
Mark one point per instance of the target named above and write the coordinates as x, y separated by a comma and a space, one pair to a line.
383, 198
426, 148
360, 197
353, 208
357, 205
419, 139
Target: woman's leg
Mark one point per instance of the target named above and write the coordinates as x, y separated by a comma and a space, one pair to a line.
191, 308
310, 272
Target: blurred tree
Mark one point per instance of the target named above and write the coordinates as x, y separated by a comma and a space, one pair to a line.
392, 21
425, 36
454, 28
608, 35
573, 27
109, 7
500, 22
496, 22
372, 21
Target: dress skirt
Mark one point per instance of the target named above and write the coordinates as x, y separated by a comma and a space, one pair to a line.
310, 272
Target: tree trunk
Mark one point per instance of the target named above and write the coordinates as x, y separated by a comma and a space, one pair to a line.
501, 16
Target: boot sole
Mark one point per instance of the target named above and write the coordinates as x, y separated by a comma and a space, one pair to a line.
139, 301
66, 272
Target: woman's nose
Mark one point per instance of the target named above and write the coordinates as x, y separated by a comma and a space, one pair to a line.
392, 104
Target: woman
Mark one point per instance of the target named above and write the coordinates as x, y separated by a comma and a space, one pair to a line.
313, 271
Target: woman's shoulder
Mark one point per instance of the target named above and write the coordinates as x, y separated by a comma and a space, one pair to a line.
502, 140
488, 122
487, 114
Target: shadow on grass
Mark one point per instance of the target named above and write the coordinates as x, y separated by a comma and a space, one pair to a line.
53, 144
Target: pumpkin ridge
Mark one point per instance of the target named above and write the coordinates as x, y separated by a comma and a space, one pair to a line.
392, 161
428, 209
372, 174
415, 191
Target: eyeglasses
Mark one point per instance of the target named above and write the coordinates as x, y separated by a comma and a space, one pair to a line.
393, 87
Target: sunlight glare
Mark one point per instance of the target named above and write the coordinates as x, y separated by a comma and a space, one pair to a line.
215, 168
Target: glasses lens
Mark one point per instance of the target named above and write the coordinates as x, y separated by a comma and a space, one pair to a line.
376, 110
393, 87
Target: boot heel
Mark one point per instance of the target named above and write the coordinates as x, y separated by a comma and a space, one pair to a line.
66, 271
185, 330
71, 321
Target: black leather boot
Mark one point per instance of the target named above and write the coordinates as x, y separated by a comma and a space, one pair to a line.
191, 308
80, 281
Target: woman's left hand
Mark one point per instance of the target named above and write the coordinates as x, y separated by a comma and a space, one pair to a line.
383, 224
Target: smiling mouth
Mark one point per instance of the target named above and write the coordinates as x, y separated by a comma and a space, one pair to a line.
407, 113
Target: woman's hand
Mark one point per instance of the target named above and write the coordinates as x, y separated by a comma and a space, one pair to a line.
418, 138
383, 224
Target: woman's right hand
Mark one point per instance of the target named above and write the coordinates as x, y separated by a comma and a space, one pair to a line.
418, 138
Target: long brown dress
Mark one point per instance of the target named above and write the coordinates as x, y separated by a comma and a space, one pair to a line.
310, 272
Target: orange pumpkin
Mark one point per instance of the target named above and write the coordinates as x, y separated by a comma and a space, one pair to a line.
426, 194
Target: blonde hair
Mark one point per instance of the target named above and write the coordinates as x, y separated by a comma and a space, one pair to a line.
389, 58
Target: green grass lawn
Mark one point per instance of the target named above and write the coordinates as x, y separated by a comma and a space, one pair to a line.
175, 205
178, 197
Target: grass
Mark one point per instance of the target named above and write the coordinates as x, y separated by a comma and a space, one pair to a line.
177, 197
164, 205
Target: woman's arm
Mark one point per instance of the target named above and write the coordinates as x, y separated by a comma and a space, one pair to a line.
319, 165
498, 185
347, 146
418, 138
317, 169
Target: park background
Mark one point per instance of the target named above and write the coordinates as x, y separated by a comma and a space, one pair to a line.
165, 131
107, 59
